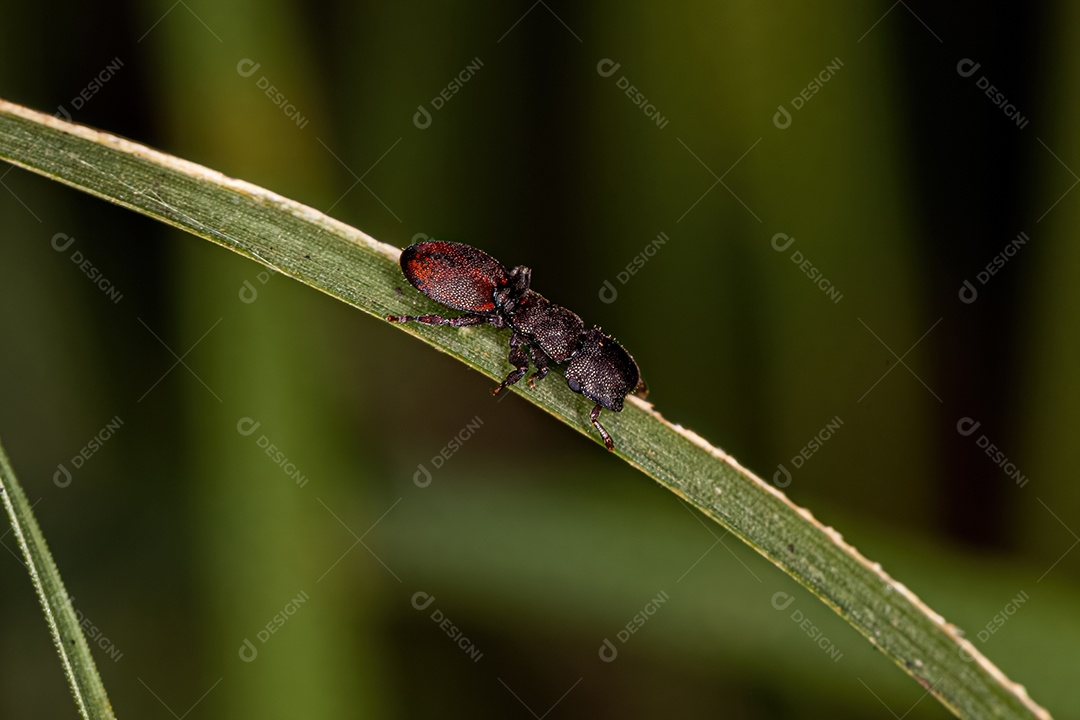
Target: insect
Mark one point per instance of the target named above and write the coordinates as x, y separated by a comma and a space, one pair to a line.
464, 278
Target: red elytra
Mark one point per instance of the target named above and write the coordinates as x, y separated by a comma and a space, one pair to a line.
455, 275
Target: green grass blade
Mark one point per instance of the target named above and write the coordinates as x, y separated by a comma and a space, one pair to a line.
74, 651
343, 262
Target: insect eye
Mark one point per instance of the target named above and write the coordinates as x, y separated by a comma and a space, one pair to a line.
575, 386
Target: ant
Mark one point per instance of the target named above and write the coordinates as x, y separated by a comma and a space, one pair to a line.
464, 278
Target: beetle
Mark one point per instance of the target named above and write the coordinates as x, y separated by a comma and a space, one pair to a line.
467, 279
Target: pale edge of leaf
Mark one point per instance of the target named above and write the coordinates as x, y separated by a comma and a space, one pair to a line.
82, 674
639, 454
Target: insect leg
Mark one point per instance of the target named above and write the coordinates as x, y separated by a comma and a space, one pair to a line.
519, 358
462, 321
595, 417
540, 360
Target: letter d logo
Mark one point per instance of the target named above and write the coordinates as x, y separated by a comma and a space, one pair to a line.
782, 600
62, 477
967, 67
966, 426
247, 67
248, 293
784, 243
608, 293
422, 600
968, 293
248, 651
782, 477
61, 242
245, 426
422, 476
782, 118
607, 67
422, 118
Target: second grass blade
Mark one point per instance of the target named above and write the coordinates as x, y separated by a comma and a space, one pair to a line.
63, 623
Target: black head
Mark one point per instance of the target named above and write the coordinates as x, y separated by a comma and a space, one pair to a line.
603, 371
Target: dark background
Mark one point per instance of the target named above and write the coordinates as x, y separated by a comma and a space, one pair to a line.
899, 179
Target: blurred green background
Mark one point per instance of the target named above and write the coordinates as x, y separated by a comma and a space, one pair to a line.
324, 577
